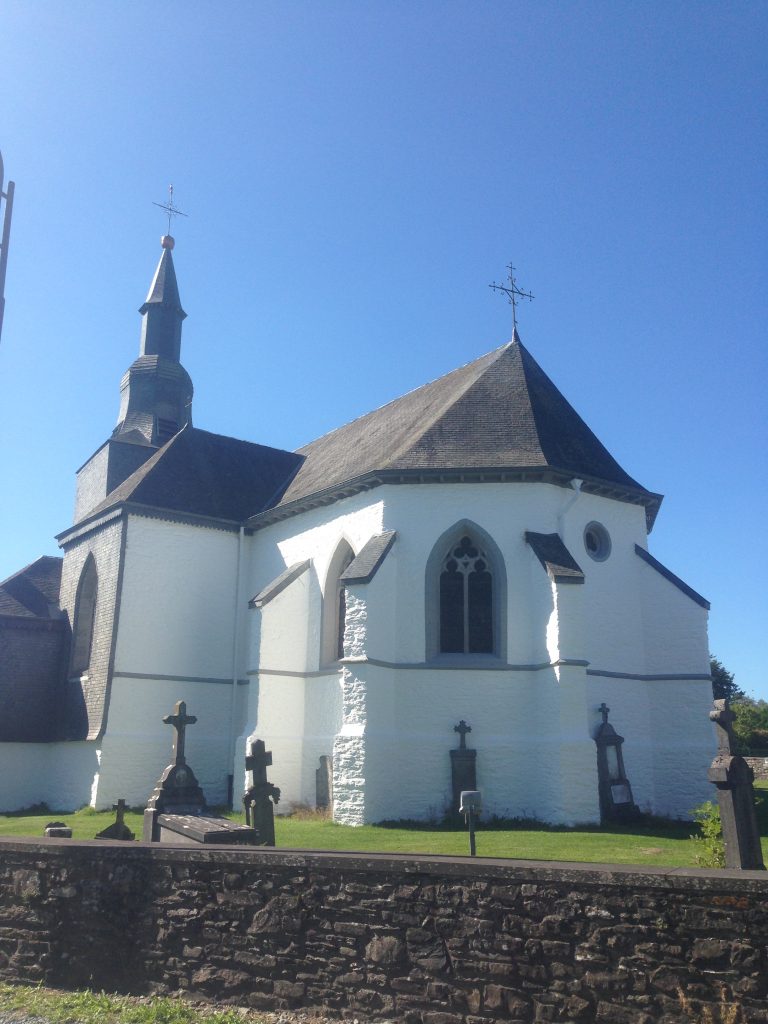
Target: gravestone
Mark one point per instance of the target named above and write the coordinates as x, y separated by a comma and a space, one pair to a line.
58, 830
735, 795
176, 811
261, 794
324, 784
614, 789
118, 829
463, 767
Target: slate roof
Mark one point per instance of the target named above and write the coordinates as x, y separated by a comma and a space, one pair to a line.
557, 560
499, 412
164, 290
206, 474
365, 565
33, 592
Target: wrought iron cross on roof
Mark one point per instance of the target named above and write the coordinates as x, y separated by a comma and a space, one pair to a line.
513, 293
170, 208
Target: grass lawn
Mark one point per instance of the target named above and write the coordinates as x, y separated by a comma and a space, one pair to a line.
87, 1007
654, 843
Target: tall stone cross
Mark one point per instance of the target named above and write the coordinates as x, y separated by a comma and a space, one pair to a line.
179, 720
723, 718
735, 795
120, 808
462, 729
258, 761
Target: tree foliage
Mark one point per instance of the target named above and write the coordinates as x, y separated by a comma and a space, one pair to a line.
723, 683
750, 726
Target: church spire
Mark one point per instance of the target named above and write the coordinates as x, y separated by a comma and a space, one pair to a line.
162, 312
156, 391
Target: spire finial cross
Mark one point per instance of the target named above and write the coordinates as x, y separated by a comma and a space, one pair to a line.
462, 729
604, 709
170, 208
513, 293
179, 720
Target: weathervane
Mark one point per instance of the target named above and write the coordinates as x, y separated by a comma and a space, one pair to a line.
513, 293
170, 209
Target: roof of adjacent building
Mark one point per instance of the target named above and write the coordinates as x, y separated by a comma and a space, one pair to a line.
33, 592
209, 475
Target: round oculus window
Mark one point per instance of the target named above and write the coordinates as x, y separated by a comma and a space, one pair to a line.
597, 541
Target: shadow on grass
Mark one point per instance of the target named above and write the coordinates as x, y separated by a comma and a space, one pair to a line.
646, 825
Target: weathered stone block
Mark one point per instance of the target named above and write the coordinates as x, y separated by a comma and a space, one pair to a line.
385, 949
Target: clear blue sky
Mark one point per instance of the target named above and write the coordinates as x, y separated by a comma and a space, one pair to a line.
356, 174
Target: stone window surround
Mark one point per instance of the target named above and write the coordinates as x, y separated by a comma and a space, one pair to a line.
434, 568
331, 630
84, 619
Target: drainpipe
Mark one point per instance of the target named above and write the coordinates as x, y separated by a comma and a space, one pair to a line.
576, 484
235, 646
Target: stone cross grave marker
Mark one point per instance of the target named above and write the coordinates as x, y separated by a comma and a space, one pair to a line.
462, 729
118, 829
463, 767
179, 720
735, 795
177, 811
261, 794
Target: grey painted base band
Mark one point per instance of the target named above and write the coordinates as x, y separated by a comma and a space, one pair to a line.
476, 666
179, 679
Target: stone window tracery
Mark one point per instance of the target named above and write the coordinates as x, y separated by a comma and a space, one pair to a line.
466, 600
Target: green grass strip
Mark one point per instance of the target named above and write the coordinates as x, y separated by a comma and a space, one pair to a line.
650, 842
99, 1008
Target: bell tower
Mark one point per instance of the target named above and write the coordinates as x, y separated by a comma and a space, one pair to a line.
155, 393
156, 390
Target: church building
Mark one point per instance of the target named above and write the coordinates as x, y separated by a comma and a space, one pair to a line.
469, 552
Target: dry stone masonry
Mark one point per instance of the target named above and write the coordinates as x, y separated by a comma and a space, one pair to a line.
383, 937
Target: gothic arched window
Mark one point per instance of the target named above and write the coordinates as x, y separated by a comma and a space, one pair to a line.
466, 594
85, 613
335, 604
466, 600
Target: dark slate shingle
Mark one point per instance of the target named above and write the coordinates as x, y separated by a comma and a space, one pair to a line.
34, 590
559, 563
499, 412
210, 475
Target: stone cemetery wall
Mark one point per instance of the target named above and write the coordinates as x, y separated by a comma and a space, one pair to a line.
413, 939
759, 766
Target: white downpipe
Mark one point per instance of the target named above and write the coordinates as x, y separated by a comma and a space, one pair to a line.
576, 484
235, 646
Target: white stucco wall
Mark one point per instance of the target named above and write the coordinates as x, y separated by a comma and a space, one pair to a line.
177, 606
57, 774
176, 641
137, 745
533, 712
